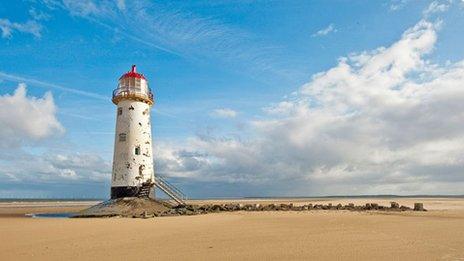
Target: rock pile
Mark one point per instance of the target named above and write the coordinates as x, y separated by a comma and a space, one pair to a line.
148, 208
125, 207
215, 208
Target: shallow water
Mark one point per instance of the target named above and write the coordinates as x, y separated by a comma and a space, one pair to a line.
51, 215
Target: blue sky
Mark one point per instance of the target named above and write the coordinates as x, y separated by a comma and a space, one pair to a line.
252, 97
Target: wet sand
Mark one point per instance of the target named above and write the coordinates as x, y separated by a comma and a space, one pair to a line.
437, 234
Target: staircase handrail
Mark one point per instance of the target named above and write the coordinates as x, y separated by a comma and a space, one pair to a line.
171, 187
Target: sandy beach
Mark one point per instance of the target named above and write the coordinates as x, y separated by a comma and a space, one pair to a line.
437, 234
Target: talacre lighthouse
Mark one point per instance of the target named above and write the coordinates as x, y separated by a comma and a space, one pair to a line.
133, 173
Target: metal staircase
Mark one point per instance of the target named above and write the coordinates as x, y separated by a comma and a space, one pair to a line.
170, 190
145, 189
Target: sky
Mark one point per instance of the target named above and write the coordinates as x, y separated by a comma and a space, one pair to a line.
253, 98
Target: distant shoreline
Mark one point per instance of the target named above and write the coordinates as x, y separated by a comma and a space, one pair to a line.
234, 198
364, 196
6, 200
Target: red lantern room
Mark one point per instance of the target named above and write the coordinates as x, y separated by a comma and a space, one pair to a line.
133, 86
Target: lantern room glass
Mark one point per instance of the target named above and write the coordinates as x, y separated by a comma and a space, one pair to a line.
133, 86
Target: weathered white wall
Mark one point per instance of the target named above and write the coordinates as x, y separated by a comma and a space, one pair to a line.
135, 123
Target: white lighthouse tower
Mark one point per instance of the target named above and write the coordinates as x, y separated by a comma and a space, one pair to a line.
133, 173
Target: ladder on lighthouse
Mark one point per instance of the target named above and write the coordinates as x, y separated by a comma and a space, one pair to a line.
170, 190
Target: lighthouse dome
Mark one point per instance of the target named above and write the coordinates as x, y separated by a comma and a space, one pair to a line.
133, 74
133, 86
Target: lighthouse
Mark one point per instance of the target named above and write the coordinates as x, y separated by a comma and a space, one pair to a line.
133, 174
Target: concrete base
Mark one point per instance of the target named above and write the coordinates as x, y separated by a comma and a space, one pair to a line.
126, 207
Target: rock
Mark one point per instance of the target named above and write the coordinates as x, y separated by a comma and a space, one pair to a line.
248, 207
182, 211
419, 207
394, 205
404, 208
284, 207
216, 208
205, 208
192, 207
269, 207
145, 215
350, 206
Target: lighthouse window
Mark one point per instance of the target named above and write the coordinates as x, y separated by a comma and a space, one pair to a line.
122, 137
119, 111
137, 150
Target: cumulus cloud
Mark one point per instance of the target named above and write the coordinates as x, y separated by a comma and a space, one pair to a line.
7, 27
26, 118
224, 113
381, 121
325, 31
52, 167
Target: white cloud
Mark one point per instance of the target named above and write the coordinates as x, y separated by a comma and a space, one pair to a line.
325, 31
380, 121
396, 5
26, 118
437, 7
38, 15
84, 7
7, 27
49, 167
224, 113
